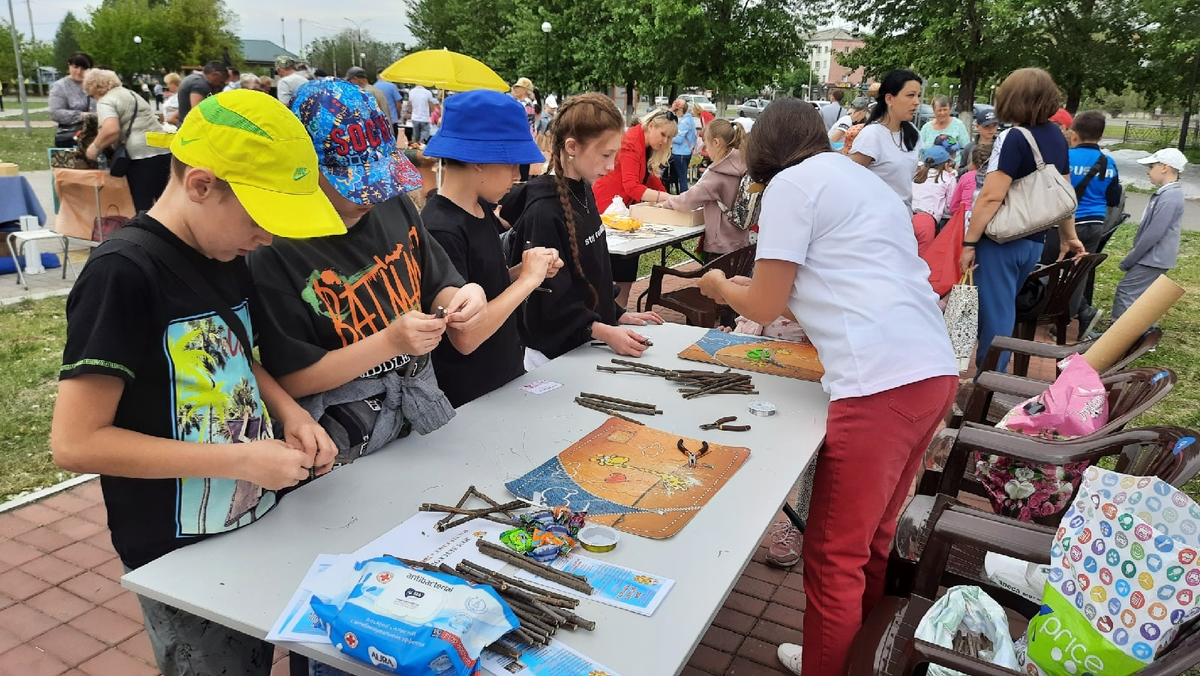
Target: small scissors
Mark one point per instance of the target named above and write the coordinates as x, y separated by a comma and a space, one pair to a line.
720, 425
693, 457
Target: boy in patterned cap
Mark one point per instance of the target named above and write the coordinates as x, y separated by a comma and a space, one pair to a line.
346, 310
156, 385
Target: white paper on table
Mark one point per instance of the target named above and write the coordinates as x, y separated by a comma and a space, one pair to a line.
298, 622
417, 539
555, 659
541, 386
615, 585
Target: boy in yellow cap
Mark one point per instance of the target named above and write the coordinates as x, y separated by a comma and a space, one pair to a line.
156, 384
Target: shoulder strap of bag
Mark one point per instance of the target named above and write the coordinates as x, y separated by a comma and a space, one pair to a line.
1100, 165
1033, 145
160, 249
129, 128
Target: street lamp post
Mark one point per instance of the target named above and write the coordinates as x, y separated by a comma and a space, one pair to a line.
935, 90
137, 40
354, 44
546, 68
992, 98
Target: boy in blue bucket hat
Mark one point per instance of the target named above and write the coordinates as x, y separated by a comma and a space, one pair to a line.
344, 318
483, 139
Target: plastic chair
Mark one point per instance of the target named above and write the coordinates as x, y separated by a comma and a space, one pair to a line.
1149, 451
1062, 279
697, 309
886, 645
1031, 348
16, 246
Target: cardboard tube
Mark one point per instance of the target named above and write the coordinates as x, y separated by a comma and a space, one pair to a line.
1137, 320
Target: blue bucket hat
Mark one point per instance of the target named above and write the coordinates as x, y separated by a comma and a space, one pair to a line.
355, 146
937, 155
484, 127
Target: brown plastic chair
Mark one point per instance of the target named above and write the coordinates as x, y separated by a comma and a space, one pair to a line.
1031, 348
698, 309
1148, 451
1062, 279
886, 645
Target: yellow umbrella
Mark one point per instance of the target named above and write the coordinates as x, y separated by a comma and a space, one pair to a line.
444, 69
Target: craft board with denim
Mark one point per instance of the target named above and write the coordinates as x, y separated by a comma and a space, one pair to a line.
754, 353
633, 478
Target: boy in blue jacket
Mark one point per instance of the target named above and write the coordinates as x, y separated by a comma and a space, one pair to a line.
1156, 244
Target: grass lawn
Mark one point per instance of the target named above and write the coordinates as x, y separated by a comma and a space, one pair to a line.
31, 344
27, 152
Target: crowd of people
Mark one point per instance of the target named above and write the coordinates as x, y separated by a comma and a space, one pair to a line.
296, 210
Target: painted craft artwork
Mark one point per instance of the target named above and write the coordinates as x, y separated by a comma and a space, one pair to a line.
753, 353
633, 478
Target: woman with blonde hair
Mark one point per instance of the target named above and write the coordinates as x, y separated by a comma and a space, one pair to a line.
717, 190
645, 150
170, 109
123, 117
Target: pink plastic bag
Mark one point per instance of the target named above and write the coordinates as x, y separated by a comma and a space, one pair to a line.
1074, 406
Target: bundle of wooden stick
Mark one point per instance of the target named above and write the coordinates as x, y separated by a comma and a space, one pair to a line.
541, 612
698, 383
611, 406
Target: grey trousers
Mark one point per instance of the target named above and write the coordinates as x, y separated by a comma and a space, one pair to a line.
1132, 286
187, 645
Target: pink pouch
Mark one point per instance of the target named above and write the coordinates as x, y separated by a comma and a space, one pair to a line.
1076, 405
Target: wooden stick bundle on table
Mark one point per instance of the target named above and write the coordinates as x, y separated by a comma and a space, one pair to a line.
699, 383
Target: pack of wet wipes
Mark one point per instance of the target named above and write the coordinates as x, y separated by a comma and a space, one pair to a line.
415, 622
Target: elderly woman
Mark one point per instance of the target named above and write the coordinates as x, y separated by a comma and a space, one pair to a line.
170, 109
944, 124
249, 81
69, 105
125, 118
1027, 98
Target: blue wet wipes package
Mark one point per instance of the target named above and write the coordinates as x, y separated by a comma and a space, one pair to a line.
414, 622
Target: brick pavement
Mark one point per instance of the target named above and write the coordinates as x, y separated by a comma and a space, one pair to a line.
63, 611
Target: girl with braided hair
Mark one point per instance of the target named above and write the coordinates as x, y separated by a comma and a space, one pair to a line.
559, 211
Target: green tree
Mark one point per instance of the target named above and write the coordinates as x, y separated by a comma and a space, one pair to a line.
336, 54
972, 41
66, 40
175, 33
1172, 50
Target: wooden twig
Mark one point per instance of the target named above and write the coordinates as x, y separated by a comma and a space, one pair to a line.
596, 407
570, 580
653, 408
505, 650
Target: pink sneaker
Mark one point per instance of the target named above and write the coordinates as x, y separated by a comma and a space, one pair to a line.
784, 551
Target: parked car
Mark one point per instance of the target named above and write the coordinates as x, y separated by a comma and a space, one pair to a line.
705, 103
752, 107
924, 114
660, 100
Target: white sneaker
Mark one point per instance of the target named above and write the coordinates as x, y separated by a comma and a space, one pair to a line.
789, 654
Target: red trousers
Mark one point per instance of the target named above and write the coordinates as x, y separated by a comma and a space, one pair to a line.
925, 228
873, 446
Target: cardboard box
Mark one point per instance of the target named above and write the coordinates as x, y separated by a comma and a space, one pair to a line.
8, 169
648, 213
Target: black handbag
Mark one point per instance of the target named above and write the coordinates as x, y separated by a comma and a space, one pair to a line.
119, 165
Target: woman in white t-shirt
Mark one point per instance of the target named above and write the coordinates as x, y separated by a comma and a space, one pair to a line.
837, 251
890, 143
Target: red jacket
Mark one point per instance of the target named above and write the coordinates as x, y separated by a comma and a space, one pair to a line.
629, 179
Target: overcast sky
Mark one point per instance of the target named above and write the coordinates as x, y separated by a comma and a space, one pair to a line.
257, 20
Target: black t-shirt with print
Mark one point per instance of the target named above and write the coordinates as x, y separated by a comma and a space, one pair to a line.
186, 378
474, 248
324, 294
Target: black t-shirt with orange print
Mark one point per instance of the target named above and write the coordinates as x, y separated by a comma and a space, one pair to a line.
323, 294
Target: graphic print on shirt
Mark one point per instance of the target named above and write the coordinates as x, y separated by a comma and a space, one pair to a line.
366, 301
216, 401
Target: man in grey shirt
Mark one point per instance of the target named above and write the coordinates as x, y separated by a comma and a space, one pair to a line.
832, 112
293, 75
199, 86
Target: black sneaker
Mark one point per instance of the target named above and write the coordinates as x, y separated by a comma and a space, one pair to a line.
1088, 319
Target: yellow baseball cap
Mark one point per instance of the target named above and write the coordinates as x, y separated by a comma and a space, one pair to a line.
253, 142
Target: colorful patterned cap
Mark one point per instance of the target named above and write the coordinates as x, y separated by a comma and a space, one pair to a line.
354, 142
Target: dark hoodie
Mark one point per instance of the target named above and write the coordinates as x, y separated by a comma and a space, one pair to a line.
556, 323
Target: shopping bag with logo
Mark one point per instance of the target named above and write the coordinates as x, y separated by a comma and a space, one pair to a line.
1123, 578
962, 318
1074, 406
969, 621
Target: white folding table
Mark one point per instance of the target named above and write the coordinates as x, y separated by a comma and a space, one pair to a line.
243, 579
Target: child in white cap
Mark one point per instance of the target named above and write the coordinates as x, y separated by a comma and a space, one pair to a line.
1156, 244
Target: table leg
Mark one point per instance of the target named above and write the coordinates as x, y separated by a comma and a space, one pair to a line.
297, 664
